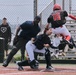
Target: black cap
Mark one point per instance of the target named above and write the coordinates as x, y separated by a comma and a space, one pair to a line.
4, 18
38, 18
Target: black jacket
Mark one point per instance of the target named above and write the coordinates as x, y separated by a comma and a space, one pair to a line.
5, 32
57, 18
41, 40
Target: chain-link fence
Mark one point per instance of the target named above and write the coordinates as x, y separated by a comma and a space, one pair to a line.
69, 6
16, 12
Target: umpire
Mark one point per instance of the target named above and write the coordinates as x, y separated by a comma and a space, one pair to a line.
29, 30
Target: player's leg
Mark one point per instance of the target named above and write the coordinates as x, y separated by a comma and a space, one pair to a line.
22, 63
22, 53
15, 49
71, 40
46, 52
64, 31
48, 59
6, 47
67, 36
30, 50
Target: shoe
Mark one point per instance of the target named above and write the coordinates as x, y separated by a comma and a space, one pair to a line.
20, 68
34, 64
50, 68
5, 64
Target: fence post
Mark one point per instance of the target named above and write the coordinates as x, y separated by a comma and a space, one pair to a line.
35, 8
1, 50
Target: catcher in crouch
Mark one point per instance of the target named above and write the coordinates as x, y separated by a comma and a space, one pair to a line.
40, 44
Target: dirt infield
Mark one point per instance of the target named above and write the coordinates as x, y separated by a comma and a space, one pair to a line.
59, 70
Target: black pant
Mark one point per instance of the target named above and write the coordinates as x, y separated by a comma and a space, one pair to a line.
21, 43
47, 58
71, 40
24, 63
22, 53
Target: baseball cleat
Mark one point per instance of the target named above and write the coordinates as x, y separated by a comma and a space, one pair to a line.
20, 68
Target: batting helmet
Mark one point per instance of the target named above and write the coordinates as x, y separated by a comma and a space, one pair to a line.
56, 7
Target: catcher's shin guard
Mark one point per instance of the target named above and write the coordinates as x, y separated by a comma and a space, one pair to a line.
34, 64
24, 63
47, 58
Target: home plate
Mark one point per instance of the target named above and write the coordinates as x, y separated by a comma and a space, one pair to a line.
47, 70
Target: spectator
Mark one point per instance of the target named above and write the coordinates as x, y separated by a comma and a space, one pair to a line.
5, 32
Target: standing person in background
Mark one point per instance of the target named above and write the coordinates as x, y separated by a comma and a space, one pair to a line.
5, 32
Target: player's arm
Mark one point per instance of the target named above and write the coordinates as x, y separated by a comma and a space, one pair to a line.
72, 16
17, 31
69, 15
48, 21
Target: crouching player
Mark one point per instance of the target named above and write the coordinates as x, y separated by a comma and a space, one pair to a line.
40, 45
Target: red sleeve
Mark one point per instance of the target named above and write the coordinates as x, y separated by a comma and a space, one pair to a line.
71, 16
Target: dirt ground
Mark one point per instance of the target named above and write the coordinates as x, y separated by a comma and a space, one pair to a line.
60, 69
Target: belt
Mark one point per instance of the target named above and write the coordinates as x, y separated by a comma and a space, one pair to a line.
58, 27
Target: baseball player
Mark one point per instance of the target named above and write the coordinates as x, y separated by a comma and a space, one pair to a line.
58, 20
38, 45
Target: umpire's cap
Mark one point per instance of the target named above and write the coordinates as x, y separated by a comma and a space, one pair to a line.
4, 18
37, 18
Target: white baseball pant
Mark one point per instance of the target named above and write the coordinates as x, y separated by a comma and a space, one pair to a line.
31, 48
62, 30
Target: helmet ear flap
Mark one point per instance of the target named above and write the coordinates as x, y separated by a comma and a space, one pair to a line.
56, 7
